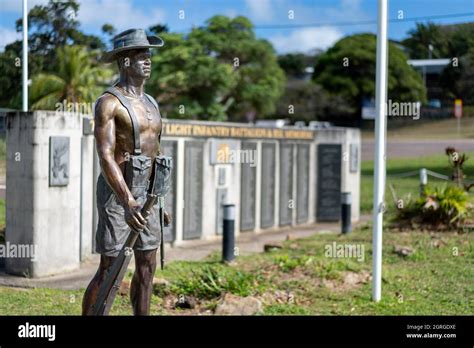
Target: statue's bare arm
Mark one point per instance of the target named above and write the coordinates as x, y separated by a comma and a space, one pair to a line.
104, 132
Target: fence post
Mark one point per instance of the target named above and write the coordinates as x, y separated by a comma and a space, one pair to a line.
423, 181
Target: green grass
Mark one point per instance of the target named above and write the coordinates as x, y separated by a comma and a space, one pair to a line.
409, 185
300, 280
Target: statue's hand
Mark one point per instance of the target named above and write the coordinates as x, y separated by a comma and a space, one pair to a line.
133, 216
167, 218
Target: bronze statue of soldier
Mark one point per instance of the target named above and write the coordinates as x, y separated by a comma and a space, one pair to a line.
128, 132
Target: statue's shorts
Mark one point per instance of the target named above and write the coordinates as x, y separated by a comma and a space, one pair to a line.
112, 230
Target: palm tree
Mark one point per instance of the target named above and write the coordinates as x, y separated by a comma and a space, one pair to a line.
78, 80
424, 36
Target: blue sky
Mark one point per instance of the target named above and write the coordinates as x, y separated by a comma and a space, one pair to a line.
316, 23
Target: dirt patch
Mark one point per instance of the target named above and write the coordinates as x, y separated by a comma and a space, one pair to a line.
348, 281
169, 306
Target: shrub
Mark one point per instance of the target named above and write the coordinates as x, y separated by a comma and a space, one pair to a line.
446, 206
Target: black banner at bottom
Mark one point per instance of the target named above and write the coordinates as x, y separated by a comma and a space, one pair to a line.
291, 330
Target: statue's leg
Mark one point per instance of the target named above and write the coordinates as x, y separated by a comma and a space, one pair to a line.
142, 282
92, 291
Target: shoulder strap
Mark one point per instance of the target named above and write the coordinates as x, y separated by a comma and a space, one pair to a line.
153, 101
136, 127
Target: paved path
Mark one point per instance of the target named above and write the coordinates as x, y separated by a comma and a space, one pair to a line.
416, 148
247, 243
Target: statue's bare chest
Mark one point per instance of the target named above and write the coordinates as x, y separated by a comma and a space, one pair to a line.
149, 125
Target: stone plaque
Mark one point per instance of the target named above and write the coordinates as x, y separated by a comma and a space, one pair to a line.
248, 180
354, 158
287, 203
169, 148
302, 184
329, 182
193, 157
58, 161
267, 202
220, 201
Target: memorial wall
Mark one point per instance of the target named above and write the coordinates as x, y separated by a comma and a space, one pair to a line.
276, 177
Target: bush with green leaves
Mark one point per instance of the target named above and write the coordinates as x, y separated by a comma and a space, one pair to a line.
440, 207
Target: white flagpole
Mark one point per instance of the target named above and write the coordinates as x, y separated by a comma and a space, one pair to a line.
25, 56
380, 143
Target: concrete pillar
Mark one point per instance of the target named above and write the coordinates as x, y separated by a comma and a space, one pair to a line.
294, 187
45, 218
312, 183
258, 188
178, 219
87, 196
277, 184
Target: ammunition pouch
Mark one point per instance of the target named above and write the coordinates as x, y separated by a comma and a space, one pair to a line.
139, 170
137, 174
163, 167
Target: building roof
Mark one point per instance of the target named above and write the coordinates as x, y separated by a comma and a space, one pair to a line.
432, 66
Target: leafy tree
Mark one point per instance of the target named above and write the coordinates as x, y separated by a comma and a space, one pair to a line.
109, 29
348, 69
308, 101
449, 41
187, 82
158, 29
50, 27
422, 37
55, 25
78, 80
457, 80
220, 71
295, 64
11, 77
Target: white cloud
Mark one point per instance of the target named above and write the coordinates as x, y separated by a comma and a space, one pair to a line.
122, 14
306, 39
260, 10
7, 36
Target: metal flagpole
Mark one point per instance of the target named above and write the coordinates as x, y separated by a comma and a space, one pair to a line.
380, 143
25, 56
